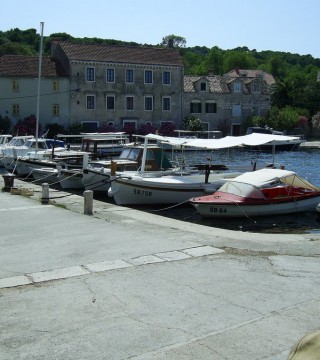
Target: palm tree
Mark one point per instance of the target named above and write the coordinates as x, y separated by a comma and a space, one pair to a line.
280, 94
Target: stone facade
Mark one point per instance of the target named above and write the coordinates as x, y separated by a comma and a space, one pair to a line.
121, 85
225, 101
110, 87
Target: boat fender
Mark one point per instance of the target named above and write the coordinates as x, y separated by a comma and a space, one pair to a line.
113, 168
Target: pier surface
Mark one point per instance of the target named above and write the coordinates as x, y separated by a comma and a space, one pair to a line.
124, 284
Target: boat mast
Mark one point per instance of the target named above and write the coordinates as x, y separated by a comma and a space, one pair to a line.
144, 155
39, 80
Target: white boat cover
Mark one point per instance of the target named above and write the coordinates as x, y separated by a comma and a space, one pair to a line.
250, 184
270, 177
253, 139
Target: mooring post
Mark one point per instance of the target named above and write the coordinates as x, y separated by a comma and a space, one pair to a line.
88, 202
45, 193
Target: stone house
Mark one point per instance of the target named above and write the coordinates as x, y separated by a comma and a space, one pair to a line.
225, 101
19, 89
109, 87
122, 85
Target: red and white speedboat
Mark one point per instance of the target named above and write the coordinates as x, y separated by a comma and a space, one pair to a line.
259, 193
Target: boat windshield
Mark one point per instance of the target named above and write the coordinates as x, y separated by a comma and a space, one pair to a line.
133, 154
241, 189
130, 153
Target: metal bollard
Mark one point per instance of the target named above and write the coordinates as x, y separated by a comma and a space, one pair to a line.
45, 193
8, 181
88, 202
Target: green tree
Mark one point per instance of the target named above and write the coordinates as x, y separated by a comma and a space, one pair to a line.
191, 61
307, 97
284, 119
238, 59
192, 123
214, 61
280, 96
9, 48
276, 66
177, 41
273, 117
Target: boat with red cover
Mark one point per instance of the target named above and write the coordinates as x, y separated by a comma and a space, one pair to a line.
260, 193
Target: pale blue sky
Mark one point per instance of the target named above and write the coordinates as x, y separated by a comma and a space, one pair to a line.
277, 25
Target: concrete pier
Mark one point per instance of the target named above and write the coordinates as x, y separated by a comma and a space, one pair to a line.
124, 284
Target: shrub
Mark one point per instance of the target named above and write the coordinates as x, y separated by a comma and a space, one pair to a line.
5, 125
27, 126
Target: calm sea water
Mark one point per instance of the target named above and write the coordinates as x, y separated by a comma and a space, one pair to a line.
304, 162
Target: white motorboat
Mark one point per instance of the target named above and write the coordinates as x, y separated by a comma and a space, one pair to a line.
13, 151
7, 149
260, 193
144, 189
97, 174
281, 144
4, 140
48, 158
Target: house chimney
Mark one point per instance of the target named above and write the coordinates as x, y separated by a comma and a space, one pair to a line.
54, 43
170, 43
211, 72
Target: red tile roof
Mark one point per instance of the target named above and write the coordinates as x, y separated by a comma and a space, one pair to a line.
269, 79
121, 54
28, 66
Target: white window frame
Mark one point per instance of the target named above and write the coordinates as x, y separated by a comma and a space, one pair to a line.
145, 76
129, 82
237, 86
166, 98
94, 102
114, 102
164, 77
108, 78
145, 102
88, 78
129, 121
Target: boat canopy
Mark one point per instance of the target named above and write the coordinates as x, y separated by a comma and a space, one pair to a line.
253, 139
272, 177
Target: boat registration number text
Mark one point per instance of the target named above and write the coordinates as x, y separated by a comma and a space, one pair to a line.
218, 210
142, 192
